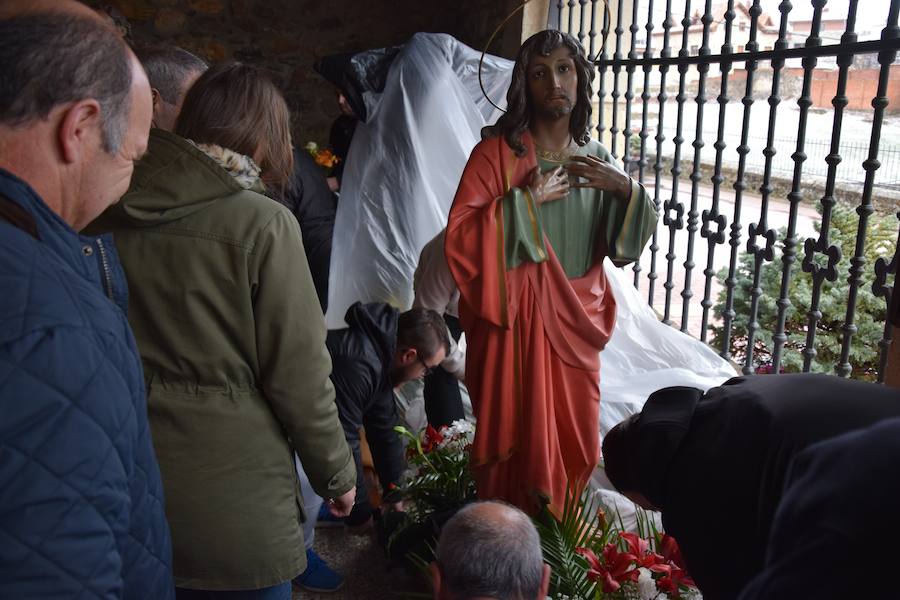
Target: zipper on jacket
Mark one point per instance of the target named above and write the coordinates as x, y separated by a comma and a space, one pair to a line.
107, 276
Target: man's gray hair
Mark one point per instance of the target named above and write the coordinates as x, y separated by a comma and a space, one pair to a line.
168, 67
490, 549
50, 59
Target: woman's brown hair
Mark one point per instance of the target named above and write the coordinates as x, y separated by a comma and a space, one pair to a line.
237, 107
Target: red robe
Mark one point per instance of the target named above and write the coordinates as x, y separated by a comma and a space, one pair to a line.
533, 343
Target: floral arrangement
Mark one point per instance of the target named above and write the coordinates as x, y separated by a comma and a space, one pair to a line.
592, 557
652, 572
324, 157
439, 476
437, 484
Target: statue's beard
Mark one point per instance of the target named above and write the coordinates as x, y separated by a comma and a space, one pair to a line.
555, 113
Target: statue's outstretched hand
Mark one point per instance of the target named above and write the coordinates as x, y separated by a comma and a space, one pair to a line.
549, 186
599, 175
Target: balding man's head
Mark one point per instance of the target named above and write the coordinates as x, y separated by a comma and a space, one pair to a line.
172, 71
55, 52
490, 550
18, 8
72, 105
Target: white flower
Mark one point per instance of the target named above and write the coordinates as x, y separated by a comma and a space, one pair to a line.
645, 584
461, 429
446, 441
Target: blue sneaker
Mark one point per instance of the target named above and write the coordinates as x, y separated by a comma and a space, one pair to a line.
327, 520
318, 576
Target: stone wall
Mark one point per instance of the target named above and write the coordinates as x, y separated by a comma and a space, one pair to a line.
287, 36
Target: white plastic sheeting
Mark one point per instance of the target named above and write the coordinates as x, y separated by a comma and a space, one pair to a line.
644, 355
404, 166
399, 181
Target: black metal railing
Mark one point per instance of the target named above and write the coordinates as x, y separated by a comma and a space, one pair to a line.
790, 181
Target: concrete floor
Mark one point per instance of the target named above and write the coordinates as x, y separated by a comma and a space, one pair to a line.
368, 573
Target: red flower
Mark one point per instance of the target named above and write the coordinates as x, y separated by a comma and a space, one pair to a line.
636, 545
677, 577
670, 551
672, 583
655, 563
613, 571
433, 437
667, 584
640, 548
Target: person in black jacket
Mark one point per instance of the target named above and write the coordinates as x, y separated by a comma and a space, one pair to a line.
314, 206
380, 349
339, 139
838, 521
715, 464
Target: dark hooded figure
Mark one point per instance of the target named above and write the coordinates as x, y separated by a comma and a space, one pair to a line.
715, 464
838, 519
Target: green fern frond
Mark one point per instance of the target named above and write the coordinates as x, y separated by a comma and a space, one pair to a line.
560, 538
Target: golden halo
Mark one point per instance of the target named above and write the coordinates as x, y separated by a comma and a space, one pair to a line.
497, 30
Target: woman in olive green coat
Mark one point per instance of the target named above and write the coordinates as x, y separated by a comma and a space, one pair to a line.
232, 338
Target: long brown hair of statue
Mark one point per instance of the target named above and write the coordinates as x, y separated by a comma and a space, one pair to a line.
237, 106
515, 121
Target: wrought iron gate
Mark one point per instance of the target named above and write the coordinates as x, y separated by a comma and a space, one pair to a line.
754, 53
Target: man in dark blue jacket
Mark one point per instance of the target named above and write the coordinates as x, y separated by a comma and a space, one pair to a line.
81, 506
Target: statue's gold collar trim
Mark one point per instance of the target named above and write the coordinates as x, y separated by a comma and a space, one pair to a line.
556, 155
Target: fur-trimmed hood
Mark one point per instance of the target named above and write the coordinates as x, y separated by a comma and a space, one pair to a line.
178, 177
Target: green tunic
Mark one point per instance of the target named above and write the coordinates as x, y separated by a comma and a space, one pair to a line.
574, 225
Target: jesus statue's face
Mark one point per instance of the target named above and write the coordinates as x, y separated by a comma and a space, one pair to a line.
553, 84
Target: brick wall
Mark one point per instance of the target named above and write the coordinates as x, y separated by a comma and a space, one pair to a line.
287, 36
862, 87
